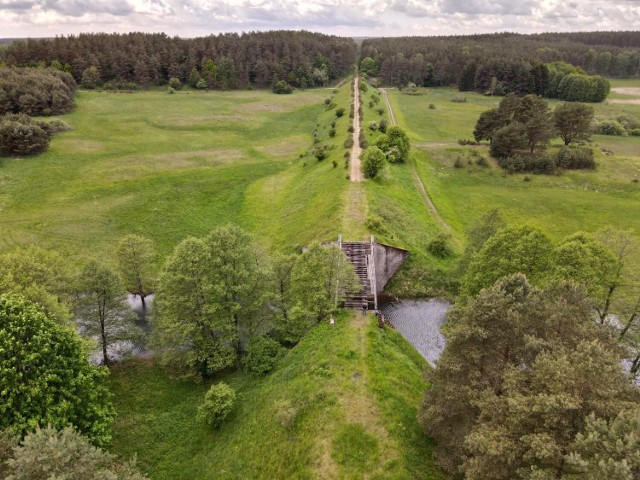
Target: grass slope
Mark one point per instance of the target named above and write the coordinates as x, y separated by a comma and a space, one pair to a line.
168, 166
352, 392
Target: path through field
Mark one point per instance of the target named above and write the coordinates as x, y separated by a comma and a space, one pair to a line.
414, 172
355, 173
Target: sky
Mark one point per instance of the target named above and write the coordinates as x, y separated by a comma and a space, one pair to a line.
355, 18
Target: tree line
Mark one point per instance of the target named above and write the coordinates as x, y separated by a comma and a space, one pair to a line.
531, 384
224, 61
513, 59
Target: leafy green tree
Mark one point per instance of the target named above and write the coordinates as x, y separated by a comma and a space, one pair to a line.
281, 300
507, 140
321, 277
372, 162
368, 67
175, 83
21, 135
135, 256
573, 121
490, 223
211, 291
102, 311
194, 78
217, 405
45, 378
607, 449
40, 276
511, 250
395, 145
282, 87
90, 77
488, 123
47, 454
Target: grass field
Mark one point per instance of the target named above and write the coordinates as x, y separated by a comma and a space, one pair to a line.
559, 204
353, 389
168, 166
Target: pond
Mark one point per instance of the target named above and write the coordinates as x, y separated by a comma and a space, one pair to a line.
419, 321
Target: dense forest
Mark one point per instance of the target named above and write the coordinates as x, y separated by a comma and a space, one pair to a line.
224, 61
514, 60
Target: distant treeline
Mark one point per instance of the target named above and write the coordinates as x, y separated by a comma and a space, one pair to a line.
515, 61
302, 59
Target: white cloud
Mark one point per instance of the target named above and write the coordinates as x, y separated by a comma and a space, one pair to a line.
187, 18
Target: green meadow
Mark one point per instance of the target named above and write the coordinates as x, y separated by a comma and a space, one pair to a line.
169, 166
341, 405
560, 204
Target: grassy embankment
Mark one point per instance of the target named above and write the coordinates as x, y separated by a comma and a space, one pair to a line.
168, 166
351, 391
559, 204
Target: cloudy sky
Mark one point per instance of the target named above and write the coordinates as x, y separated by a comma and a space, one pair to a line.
189, 18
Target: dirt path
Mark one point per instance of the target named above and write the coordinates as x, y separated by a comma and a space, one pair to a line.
355, 172
414, 173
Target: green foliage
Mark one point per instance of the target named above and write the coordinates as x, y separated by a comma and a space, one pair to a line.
210, 291
194, 78
511, 250
608, 449
135, 256
102, 311
201, 84
573, 121
340, 112
439, 245
513, 352
20, 135
36, 91
175, 83
575, 158
45, 376
368, 66
282, 87
481, 231
610, 127
46, 454
263, 354
217, 405
395, 145
372, 162
506, 140
41, 276
90, 78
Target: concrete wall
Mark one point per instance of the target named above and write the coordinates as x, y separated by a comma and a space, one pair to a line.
388, 260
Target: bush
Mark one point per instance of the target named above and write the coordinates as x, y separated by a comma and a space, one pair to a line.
575, 158
482, 162
635, 132
321, 152
282, 88
373, 162
20, 135
432, 106
90, 78
459, 99
348, 143
380, 110
327, 101
373, 126
363, 87
439, 245
263, 354
382, 125
375, 224
340, 112
120, 85
467, 141
55, 126
529, 162
610, 127
362, 140
332, 132
201, 84
458, 163
36, 91
350, 129
217, 405
175, 83
171, 90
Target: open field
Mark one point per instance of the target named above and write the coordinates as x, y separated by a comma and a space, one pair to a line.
168, 166
354, 390
560, 205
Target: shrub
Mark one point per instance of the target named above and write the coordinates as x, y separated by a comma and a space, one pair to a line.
373, 162
467, 141
340, 112
373, 126
90, 78
459, 99
175, 83
121, 85
380, 110
20, 135
282, 88
382, 125
171, 90
372, 104
482, 162
439, 246
263, 353
363, 87
332, 132
529, 162
635, 132
348, 143
36, 91
217, 405
575, 158
610, 127
327, 101
362, 140
350, 129
458, 163
321, 152
375, 224
432, 106
330, 106
55, 126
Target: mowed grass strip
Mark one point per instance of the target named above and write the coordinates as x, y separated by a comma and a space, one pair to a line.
164, 166
351, 383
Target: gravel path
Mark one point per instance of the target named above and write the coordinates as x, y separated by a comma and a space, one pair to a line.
355, 173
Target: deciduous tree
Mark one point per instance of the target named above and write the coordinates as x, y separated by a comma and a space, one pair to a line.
573, 121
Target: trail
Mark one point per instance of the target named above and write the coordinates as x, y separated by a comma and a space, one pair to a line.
355, 172
414, 173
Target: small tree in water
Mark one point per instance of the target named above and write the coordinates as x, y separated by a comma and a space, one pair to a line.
135, 255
